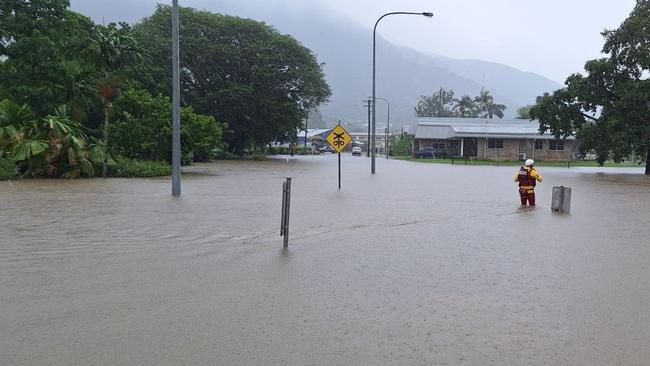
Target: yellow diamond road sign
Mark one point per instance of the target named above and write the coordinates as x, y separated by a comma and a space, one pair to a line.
339, 138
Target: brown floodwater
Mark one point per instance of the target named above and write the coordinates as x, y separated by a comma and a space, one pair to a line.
421, 264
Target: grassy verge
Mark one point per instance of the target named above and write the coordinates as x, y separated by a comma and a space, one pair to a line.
562, 164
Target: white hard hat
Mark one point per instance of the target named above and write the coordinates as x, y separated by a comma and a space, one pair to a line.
529, 162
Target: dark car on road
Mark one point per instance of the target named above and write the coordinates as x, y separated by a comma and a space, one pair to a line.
429, 152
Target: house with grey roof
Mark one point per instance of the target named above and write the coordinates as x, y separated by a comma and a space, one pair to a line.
490, 139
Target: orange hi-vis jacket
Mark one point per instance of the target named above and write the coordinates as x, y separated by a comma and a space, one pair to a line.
527, 177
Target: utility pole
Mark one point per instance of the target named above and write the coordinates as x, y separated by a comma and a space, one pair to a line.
176, 105
306, 122
368, 143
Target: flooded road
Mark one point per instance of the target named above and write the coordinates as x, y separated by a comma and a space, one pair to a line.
421, 264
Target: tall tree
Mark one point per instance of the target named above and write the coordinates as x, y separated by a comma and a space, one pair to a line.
488, 108
440, 104
608, 108
111, 48
466, 107
38, 41
524, 112
240, 71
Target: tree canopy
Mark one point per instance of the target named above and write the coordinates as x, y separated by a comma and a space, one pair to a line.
442, 103
240, 71
524, 112
608, 108
40, 58
488, 107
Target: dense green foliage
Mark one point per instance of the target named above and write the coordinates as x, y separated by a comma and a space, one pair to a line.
125, 167
142, 129
442, 103
53, 146
239, 71
466, 107
608, 108
40, 51
7, 169
524, 112
403, 145
77, 93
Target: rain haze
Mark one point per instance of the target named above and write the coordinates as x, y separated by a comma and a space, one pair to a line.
552, 38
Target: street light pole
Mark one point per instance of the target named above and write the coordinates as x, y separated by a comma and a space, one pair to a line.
374, 73
176, 105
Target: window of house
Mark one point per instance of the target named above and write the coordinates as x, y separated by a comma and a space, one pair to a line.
556, 145
437, 145
495, 143
539, 144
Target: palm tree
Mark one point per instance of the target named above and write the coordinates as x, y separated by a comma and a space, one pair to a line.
78, 87
112, 48
488, 108
53, 146
20, 137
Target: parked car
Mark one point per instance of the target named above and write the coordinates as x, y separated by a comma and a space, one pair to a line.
590, 156
356, 151
429, 152
326, 149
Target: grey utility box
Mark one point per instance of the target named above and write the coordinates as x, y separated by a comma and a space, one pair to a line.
561, 199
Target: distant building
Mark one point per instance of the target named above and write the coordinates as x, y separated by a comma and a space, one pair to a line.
490, 139
361, 139
317, 138
315, 135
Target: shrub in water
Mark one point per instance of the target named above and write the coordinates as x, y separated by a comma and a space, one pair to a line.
7, 169
139, 168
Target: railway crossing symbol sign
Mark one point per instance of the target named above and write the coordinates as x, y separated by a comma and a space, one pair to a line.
339, 138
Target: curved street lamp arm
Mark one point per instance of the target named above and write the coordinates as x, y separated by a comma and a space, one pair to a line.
374, 72
426, 14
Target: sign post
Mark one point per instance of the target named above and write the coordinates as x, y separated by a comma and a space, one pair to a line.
339, 154
339, 138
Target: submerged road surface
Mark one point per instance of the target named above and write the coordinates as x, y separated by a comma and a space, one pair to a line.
421, 264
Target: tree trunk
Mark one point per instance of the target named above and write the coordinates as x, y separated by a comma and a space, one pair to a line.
105, 163
647, 162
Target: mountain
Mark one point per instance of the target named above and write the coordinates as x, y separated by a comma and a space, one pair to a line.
345, 48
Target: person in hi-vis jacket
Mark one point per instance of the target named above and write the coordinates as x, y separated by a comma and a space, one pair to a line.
527, 177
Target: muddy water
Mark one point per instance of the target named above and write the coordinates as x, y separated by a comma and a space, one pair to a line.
421, 264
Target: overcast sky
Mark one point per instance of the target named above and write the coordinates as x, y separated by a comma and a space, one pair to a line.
551, 37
